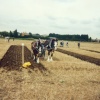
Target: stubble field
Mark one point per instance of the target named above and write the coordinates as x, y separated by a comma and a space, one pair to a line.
66, 78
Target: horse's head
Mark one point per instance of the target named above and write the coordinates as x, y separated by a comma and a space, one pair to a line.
55, 44
50, 44
34, 45
45, 43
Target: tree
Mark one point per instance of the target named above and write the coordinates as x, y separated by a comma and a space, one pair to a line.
4, 33
30, 34
11, 34
84, 37
15, 33
90, 39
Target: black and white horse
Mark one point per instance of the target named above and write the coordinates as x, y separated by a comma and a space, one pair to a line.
39, 49
36, 50
7, 38
51, 46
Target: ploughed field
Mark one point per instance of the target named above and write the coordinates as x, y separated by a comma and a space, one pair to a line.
74, 73
81, 56
88, 49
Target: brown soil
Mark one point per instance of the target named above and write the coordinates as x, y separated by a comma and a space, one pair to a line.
82, 57
12, 60
91, 50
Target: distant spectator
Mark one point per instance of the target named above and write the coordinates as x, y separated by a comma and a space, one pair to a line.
13, 38
62, 43
8, 39
67, 43
78, 44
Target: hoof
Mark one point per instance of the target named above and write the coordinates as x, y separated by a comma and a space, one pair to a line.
51, 59
48, 60
37, 60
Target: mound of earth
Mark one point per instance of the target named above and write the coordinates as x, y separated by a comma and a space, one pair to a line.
12, 60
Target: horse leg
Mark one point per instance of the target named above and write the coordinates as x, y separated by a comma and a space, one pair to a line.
37, 59
32, 54
34, 57
48, 56
51, 56
44, 56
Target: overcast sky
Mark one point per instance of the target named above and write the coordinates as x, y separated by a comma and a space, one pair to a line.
51, 16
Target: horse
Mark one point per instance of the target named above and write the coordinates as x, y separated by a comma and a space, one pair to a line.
39, 49
36, 50
51, 46
7, 38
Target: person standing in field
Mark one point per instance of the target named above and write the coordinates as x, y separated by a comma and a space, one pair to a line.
67, 43
8, 39
62, 43
13, 38
78, 44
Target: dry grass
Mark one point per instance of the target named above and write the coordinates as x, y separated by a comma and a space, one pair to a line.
67, 78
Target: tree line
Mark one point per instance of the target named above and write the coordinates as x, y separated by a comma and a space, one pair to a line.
10, 34
16, 34
83, 37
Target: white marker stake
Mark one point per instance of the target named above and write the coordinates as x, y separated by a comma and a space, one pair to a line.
22, 53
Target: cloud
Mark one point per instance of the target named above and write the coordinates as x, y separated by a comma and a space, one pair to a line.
63, 1
59, 27
86, 22
45, 16
51, 18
